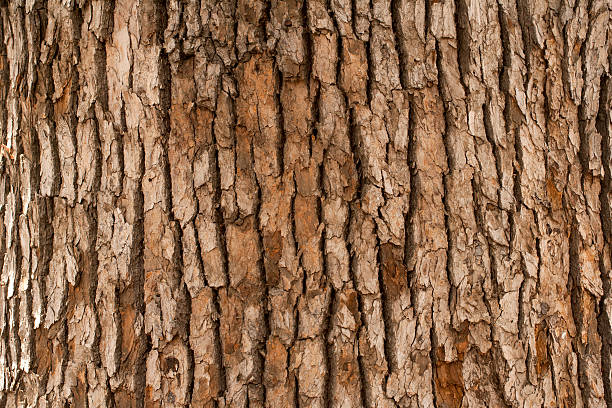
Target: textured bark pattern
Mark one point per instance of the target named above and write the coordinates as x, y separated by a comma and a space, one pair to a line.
306, 203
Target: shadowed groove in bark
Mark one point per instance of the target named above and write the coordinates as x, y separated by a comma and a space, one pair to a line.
4, 81
362, 376
390, 341
369, 57
329, 378
220, 222
577, 313
49, 86
354, 206
266, 310
488, 127
102, 99
136, 266
395, 26
411, 246
14, 177
445, 183
603, 318
510, 109
462, 24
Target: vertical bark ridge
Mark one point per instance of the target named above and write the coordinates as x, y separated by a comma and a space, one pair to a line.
352, 81
242, 303
11, 264
470, 80
275, 160
429, 299
591, 245
168, 366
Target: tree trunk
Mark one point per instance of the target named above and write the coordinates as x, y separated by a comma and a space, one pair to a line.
305, 203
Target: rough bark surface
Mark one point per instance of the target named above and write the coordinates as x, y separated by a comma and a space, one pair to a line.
306, 203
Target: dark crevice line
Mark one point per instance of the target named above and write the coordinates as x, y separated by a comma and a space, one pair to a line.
49, 111
399, 43
100, 67
221, 223
352, 259
488, 127
434, 362
370, 61
504, 82
165, 129
539, 255
265, 295
584, 150
445, 182
519, 206
364, 386
91, 213
315, 114
219, 218
138, 280
184, 300
512, 129
71, 113
353, 206
462, 24
307, 43
353, 17
4, 179
62, 338
576, 292
327, 394
329, 318
427, 16
258, 358
526, 28
14, 177
390, 338
296, 390
410, 246
279, 84
221, 226
339, 47
4, 86
603, 317
102, 99
480, 223
45, 203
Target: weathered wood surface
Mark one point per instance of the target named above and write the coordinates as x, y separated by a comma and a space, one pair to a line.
305, 203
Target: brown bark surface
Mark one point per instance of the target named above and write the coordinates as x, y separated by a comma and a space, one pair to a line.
305, 203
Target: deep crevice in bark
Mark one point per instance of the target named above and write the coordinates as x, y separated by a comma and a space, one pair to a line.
603, 318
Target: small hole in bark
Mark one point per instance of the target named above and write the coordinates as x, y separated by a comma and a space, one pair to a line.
170, 364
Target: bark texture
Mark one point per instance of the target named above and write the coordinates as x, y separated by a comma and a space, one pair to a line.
305, 203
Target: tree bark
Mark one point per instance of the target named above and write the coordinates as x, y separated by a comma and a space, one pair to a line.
305, 203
